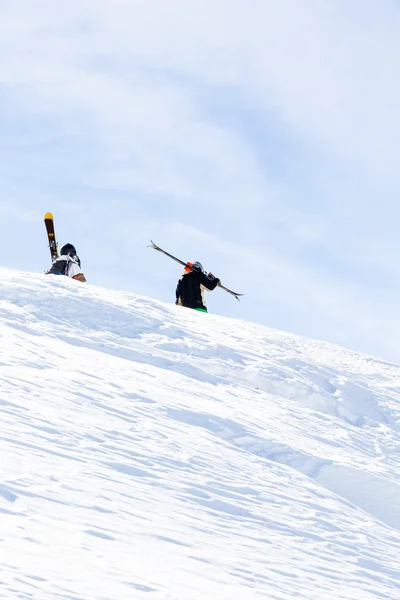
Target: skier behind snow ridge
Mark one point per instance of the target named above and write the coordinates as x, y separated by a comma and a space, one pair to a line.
191, 285
67, 263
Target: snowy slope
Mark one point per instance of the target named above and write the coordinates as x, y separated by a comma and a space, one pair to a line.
148, 451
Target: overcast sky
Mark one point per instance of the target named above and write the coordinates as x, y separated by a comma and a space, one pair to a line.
259, 137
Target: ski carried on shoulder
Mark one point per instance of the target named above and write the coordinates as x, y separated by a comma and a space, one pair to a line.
51, 235
181, 262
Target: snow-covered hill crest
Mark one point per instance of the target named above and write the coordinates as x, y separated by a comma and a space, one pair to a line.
148, 451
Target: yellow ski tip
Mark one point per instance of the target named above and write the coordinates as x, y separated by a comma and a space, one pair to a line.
48, 216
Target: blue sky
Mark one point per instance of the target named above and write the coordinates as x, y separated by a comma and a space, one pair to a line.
261, 138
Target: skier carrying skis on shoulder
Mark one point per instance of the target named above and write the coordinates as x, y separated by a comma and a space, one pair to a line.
191, 285
68, 263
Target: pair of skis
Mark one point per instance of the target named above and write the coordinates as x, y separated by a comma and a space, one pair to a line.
153, 245
51, 235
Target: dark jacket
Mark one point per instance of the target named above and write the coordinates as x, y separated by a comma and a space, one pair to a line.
189, 291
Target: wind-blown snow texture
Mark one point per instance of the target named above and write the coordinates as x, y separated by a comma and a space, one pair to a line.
149, 451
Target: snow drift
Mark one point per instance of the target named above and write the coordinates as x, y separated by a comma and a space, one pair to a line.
149, 451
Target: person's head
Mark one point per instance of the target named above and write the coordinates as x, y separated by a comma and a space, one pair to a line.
69, 250
196, 266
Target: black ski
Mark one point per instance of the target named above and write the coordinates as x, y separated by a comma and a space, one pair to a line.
153, 245
51, 235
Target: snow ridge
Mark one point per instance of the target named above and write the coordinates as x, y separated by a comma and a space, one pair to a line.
148, 451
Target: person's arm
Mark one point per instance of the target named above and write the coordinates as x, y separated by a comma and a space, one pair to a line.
74, 271
209, 281
178, 293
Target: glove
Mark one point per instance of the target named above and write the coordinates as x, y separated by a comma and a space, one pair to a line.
211, 276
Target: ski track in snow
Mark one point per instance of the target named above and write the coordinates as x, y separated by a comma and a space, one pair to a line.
148, 451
